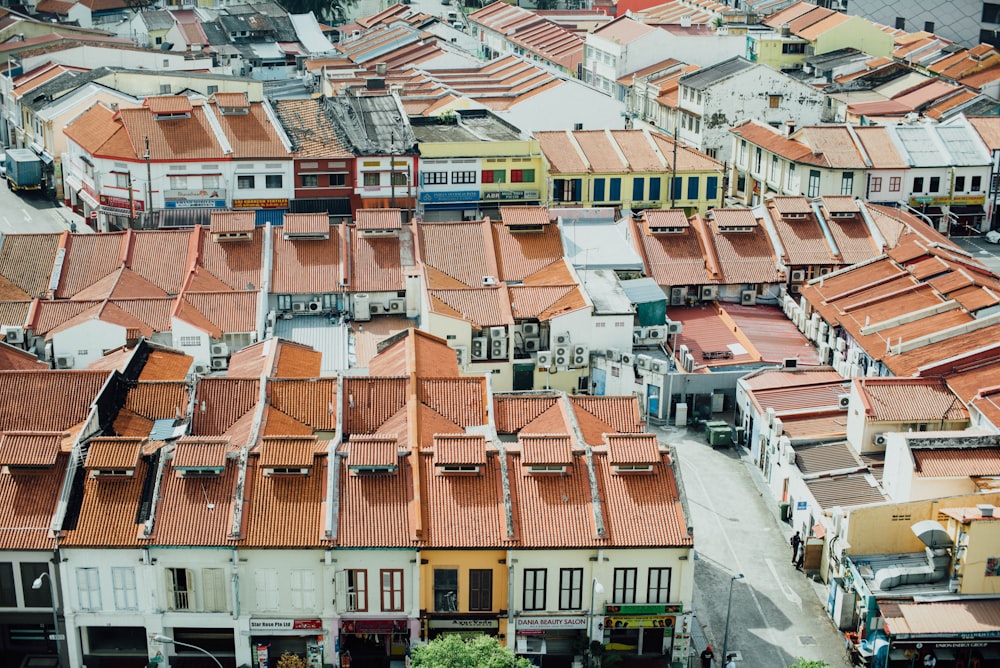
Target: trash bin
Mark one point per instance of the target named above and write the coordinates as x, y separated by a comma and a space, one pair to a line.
786, 511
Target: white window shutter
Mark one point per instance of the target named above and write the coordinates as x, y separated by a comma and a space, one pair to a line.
297, 589
340, 591
308, 590
171, 597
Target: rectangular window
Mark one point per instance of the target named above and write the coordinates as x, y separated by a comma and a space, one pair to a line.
340, 180
813, 183
213, 587
121, 180
598, 190
210, 181
463, 177
935, 184
711, 188
658, 590
372, 179
392, 589
357, 590
959, 184
876, 184
570, 588
991, 13
847, 183
615, 190
654, 188
310, 180
918, 184
88, 588
694, 185
123, 583
272, 180
900, 23
176, 182
928, 26
480, 590
773, 176
758, 156
245, 182
522, 175
399, 179
435, 178
675, 187
446, 590
773, 101
977, 184
494, 176
8, 595
266, 582
791, 182
303, 589
35, 598
624, 589
534, 588
180, 586
895, 183
638, 189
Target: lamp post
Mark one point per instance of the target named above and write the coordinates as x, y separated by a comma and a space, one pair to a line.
729, 609
164, 639
37, 584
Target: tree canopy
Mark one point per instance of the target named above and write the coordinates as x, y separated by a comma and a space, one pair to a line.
451, 651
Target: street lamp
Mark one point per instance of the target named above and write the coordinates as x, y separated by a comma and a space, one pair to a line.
729, 609
595, 589
37, 584
164, 639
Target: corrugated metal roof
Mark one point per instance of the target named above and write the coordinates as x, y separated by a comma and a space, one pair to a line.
855, 489
316, 332
707, 76
643, 291
946, 618
839, 456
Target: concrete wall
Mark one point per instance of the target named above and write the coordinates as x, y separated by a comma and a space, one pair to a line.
87, 341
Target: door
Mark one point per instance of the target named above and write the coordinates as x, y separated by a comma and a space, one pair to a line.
524, 377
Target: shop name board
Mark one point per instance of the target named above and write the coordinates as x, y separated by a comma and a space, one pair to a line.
121, 202
510, 194
213, 193
195, 204
470, 624
257, 625
639, 622
535, 623
958, 200
373, 625
662, 609
262, 203
450, 196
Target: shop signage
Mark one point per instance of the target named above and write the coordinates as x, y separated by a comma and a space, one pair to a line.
372, 625
195, 204
661, 609
120, 202
542, 623
258, 625
450, 196
510, 194
801, 505
639, 621
959, 200
272, 203
467, 624
213, 193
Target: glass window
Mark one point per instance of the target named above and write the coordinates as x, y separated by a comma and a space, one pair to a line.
624, 589
480, 589
615, 190
245, 182
694, 185
876, 184
813, 183
121, 180
918, 184
758, 156
977, 184
210, 181
357, 590
638, 189
310, 180
847, 183
400, 179
123, 583
900, 23
570, 588
928, 26
534, 588
341, 179
176, 182
895, 182
935, 184
711, 188
658, 590
88, 588
372, 179
463, 177
446, 590
959, 184
435, 178
991, 13
272, 181
392, 589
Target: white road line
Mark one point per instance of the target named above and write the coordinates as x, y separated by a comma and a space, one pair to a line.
7, 223
789, 594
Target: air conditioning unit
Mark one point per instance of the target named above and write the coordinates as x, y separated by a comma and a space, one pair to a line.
628, 359
580, 350
479, 349
529, 329
315, 306
844, 401
841, 344
580, 361
544, 359
879, 440
748, 297
790, 456
562, 351
489, 281
220, 363
199, 369
674, 327
677, 296
798, 275
644, 361
498, 332
64, 362
462, 354
362, 307
656, 333
708, 292
613, 355
659, 366
638, 334
562, 339
498, 348
397, 305
532, 344
298, 307
220, 350
637, 338
13, 334
375, 308
560, 360
823, 271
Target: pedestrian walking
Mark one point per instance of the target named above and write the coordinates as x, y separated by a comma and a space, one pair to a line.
796, 541
800, 556
707, 657
730, 661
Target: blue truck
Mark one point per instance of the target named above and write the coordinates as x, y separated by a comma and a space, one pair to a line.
24, 169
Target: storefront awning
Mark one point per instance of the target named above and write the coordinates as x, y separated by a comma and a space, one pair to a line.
88, 199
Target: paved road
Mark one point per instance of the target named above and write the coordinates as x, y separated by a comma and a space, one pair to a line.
31, 213
982, 250
777, 614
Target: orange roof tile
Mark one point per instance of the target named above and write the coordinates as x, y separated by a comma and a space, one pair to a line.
284, 510
372, 451
232, 100
12, 358
545, 449
909, 399
514, 412
306, 266
374, 509
521, 216
519, 255
464, 511
467, 449
642, 510
196, 511
553, 511
200, 452
369, 402
168, 104
485, 307
376, 265
67, 396
287, 451
30, 448
113, 452
220, 402
378, 219
26, 261
632, 449
223, 222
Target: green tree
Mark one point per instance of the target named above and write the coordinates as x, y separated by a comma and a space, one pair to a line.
809, 663
451, 651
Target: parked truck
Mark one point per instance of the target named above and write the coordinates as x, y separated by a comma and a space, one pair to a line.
24, 169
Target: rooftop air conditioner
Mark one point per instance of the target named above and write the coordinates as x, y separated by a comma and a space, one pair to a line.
220, 350
674, 327
529, 329
479, 349
748, 297
879, 440
562, 339
708, 292
562, 351
532, 344
656, 333
798, 275
579, 361
644, 361
677, 296
199, 369
498, 348
220, 363
544, 359
628, 359
658, 366
579, 350
560, 360
13, 334
64, 362
315, 306
613, 355
462, 354
498, 332
298, 307
844, 401
489, 281
397, 305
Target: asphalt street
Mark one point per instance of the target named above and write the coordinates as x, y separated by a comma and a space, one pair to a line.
777, 612
982, 250
30, 212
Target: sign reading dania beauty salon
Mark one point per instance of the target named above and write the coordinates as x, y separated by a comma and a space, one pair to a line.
543, 623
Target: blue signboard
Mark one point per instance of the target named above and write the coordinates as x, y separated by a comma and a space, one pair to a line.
195, 204
801, 505
450, 196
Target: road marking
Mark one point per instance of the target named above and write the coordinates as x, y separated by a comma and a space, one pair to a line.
27, 216
789, 594
7, 223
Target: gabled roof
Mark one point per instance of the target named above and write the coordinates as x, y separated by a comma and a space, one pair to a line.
310, 129
306, 265
414, 352
68, 396
909, 400
618, 151
276, 358
26, 262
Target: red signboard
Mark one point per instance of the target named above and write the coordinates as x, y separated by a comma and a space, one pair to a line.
307, 624
120, 202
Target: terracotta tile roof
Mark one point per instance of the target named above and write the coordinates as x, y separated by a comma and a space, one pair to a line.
220, 402
68, 396
161, 257
484, 307
463, 511
277, 358
374, 510
311, 401
227, 312
729, 218
27, 503
632, 449
880, 148
200, 452
956, 462
12, 358
459, 251
705, 331
89, 258
584, 151
158, 400
944, 619
545, 449
744, 257
306, 223
223, 222
553, 511
414, 351
623, 30
252, 135
284, 510
802, 239
306, 266
378, 219
615, 414
30, 448
376, 265
169, 139
460, 400
908, 400
198, 510
369, 335
815, 427
469, 449
26, 261
791, 148
369, 402
520, 255
673, 259
524, 215
372, 451
108, 510
231, 100
514, 412
844, 490
791, 205
237, 264
165, 365
168, 104
113, 453
544, 302
287, 451
642, 510
312, 133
